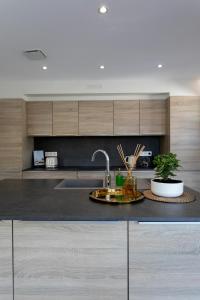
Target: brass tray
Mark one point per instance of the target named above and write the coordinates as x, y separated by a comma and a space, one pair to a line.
114, 196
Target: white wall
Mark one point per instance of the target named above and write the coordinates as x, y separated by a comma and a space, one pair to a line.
10, 89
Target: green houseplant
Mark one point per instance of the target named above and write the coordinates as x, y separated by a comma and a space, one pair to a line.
163, 185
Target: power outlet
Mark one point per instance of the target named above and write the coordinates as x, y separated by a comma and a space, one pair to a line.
146, 153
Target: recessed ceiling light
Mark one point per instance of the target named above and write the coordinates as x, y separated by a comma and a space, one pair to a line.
103, 9
102, 67
44, 68
160, 66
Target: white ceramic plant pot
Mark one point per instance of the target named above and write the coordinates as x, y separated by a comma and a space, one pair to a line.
172, 189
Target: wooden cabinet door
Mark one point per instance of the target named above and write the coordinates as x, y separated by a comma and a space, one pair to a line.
11, 135
164, 261
39, 118
30, 174
65, 118
70, 260
126, 117
6, 279
153, 117
96, 118
185, 131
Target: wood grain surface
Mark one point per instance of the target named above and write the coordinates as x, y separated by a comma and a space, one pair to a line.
6, 288
153, 117
126, 117
65, 118
96, 118
39, 118
164, 261
70, 260
185, 131
15, 147
49, 174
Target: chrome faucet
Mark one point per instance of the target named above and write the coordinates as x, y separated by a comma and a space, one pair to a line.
107, 175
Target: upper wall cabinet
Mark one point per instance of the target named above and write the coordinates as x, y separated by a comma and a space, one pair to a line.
126, 118
153, 117
39, 118
96, 118
65, 118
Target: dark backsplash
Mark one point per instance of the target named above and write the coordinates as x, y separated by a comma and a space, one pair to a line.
77, 151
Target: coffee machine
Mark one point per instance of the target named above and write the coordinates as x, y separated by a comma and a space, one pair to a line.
51, 160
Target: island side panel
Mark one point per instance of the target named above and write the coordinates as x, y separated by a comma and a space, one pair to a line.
70, 260
164, 261
6, 287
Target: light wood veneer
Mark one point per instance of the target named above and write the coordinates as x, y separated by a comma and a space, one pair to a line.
96, 118
39, 118
153, 117
49, 174
70, 260
126, 118
65, 118
6, 288
15, 146
185, 130
164, 261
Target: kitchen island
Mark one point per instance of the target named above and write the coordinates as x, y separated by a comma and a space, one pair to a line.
58, 244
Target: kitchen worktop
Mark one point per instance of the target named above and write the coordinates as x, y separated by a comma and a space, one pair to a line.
85, 168
38, 200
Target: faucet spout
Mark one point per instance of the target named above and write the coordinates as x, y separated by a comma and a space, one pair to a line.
108, 176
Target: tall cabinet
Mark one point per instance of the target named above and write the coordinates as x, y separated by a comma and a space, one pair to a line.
15, 146
185, 131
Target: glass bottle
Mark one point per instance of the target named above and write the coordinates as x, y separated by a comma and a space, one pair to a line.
119, 179
130, 185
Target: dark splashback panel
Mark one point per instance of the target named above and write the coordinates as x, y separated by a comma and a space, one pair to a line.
77, 151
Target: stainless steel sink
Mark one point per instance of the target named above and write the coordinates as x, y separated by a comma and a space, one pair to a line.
79, 184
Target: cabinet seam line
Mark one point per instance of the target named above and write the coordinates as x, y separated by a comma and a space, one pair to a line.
13, 279
127, 260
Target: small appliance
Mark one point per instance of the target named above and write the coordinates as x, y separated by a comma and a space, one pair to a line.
51, 161
38, 158
145, 161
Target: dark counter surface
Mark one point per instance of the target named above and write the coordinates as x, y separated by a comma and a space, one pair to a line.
38, 200
85, 168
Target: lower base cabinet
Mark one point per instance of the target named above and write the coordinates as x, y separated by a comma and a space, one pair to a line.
70, 260
164, 261
6, 278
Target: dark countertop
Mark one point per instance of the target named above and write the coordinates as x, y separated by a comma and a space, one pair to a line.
85, 168
38, 200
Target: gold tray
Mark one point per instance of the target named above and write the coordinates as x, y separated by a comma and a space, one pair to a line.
114, 196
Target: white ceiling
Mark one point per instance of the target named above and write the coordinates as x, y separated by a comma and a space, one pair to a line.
130, 40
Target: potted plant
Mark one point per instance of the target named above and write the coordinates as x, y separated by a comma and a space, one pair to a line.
163, 185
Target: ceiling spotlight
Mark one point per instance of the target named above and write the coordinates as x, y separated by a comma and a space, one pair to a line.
103, 9
44, 68
102, 67
160, 66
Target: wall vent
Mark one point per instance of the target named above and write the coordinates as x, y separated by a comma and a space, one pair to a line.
35, 54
